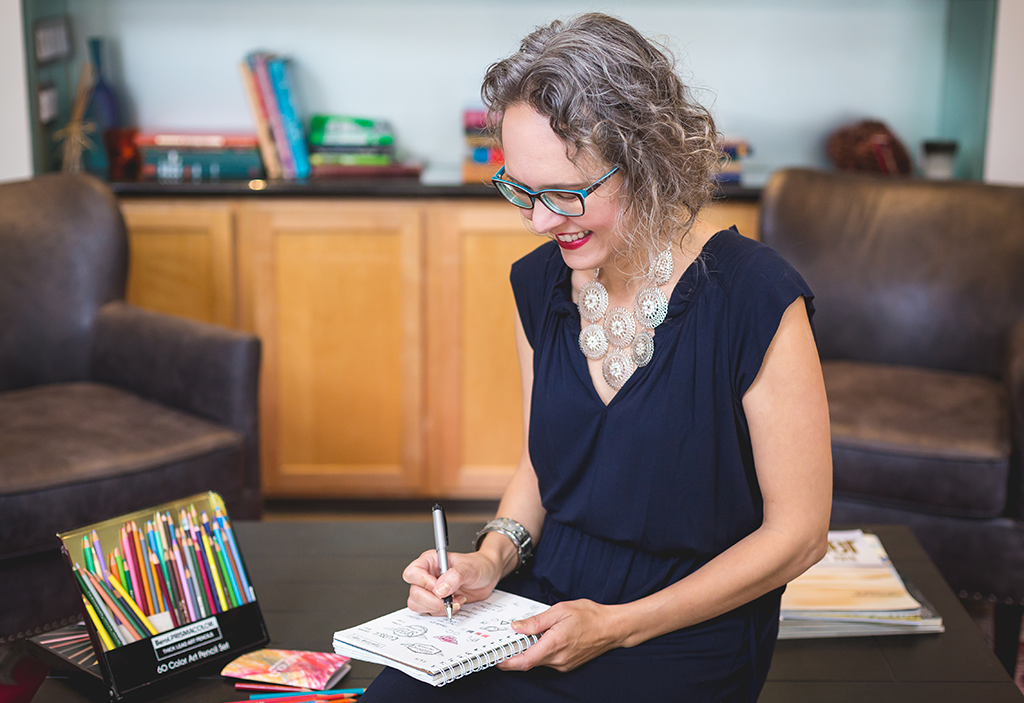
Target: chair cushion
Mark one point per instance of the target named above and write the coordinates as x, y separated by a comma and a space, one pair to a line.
76, 453
932, 441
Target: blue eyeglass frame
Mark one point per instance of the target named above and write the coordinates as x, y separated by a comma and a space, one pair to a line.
535, 194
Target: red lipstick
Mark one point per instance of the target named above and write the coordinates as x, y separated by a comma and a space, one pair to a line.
574, 244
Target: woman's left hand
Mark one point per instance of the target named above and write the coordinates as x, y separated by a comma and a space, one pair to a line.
574, 632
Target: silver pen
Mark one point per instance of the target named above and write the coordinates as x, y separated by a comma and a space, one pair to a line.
441, 542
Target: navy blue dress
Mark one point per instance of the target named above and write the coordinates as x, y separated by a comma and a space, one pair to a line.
644, 490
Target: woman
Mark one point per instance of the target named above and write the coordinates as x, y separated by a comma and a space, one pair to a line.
677, 471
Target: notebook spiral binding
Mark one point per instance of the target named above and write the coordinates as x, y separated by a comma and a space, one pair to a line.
458, 667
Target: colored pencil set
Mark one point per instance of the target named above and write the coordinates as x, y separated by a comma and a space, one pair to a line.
161, 576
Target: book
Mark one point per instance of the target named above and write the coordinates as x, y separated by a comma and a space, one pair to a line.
344, 130
855, 590
394, 170
431, 649
268, 151
280, 79
258, 62
200, 164
195, 140
290, 667
321, 158
482, 157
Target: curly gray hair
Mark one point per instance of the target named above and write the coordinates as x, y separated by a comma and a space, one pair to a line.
613, 95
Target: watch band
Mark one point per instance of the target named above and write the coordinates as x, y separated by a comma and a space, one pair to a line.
519, 535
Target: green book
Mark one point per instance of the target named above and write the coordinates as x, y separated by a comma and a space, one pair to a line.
342, 130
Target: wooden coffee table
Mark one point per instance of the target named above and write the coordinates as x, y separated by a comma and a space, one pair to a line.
312, 579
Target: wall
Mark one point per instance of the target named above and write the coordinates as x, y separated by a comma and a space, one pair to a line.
15, 150
781, 74
1004, 158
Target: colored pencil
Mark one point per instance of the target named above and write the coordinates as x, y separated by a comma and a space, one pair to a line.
117, 566
269, 687
285, 697
232, 587
66, 638
122, 612
202, 584
236, 583
214, 568
177, 597
142, 567
98, 553
133, 573
204, 566
100, 607
136, 611
193, 566
161, 556
204, 572
229, 535
180, 567
109, 617
164, 593
101, 631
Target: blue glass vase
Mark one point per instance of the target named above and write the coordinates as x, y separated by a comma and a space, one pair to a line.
103, 111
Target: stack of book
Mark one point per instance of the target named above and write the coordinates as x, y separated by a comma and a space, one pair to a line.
854, 591
343, 147
483, 157
175, 157
734, 151
282, 143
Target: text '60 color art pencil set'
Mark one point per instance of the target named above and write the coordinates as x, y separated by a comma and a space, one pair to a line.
164, 591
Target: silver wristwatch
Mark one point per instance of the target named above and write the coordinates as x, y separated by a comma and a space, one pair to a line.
514, 531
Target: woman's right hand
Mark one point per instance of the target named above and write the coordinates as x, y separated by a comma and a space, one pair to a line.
470, 577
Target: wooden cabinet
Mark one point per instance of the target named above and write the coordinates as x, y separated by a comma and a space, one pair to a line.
473, 386
181, 259
389, 361
334, 290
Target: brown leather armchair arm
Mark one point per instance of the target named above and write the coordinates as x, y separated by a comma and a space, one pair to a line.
203, 369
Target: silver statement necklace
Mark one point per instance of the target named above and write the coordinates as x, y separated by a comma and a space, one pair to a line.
624, 340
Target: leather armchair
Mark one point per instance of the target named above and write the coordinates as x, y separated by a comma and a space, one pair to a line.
104, 408
919, 291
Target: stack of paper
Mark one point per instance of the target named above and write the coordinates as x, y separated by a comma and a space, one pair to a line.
854, 591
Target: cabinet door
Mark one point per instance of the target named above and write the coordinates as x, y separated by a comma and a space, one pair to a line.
181, 258
473, 387
724, 214
334, 291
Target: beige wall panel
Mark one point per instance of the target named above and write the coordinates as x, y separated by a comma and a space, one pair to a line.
337, 302
181, 259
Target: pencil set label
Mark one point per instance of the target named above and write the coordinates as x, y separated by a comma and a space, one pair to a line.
164, 590
193, 636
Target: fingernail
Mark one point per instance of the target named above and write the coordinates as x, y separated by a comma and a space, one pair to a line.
443, 590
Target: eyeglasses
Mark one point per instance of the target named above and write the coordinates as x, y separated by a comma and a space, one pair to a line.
558, 200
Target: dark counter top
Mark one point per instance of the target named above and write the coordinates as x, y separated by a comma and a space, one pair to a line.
344, 188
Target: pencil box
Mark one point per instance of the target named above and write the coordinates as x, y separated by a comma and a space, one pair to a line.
165, 592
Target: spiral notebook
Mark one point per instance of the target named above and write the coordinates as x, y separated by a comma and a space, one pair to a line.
431, 649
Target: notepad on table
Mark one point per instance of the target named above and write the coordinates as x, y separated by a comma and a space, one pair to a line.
431, 649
